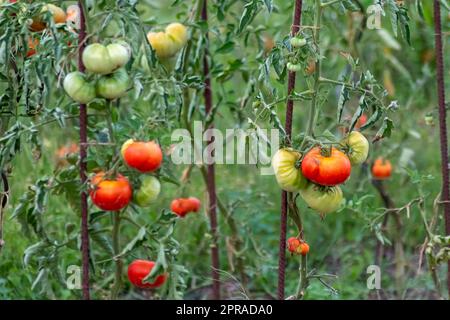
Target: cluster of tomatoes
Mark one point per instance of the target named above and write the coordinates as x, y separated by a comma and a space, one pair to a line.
316, 176
108, 63
297, 246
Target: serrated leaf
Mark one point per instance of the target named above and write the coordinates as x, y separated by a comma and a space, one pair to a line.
385, 130
136, 241
344, 96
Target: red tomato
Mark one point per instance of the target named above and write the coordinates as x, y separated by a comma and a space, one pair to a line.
361, 121
297, 246
183, 206
381, 169
293, 244
326, 170
142, 156
110, 194
195, 204
139, 269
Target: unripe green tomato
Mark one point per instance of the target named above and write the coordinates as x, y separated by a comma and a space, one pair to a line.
149, 191
289, 177
101, 59
429, 120
78, 88
293, 67
356, 147
322, 199
297, 42
114, 85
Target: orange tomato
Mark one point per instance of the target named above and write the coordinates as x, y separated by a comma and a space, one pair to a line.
142, 156
297, 246
59, 16
183, 206
381, 169
326, 170
32, 44
110, 194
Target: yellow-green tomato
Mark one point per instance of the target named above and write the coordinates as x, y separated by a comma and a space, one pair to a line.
164, 46
114, 85
322, 199
149, 191
101, 59
78, 88
356, 147
288, 175
178, 33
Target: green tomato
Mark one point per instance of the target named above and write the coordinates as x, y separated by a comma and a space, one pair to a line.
149, 191
101, 59
289, 177
297, 42
114, 85
293, 67
78, 88
356, 147
322, 199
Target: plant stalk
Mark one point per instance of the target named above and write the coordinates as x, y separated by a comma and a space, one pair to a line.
118, 260
210, 181
288, 128
445, 193
83, 164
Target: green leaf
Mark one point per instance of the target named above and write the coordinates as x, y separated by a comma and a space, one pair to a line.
385, 130
248, 15
136, 241
344, 96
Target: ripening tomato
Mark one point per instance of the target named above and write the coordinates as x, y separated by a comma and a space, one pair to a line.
322, 199
361, 121
65, 152
326, 169
101, 59
148, 192
163, 45
138, 270
178, 33
288, 175
73, 15
297, 246
356, 146
59, 16
110, 194
142, 156
311, 68
114, 85
166, 44
381, 169
183, 206
79, 88
32, 45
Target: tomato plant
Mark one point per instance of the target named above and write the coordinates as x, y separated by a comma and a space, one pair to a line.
96, 98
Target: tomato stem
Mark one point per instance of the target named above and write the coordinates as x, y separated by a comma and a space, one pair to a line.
118, 260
